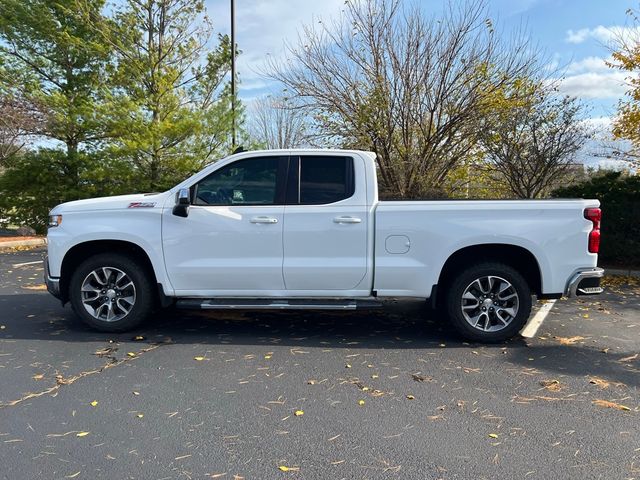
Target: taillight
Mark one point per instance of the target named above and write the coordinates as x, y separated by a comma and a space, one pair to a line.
595, 215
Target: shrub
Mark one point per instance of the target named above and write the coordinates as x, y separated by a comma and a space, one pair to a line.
619, 196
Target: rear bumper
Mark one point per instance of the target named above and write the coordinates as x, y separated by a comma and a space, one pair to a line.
585, 282
53, 284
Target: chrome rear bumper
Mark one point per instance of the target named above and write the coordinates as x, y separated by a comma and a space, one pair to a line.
585, 282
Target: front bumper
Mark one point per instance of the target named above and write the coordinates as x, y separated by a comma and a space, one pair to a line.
53, 284
585, 282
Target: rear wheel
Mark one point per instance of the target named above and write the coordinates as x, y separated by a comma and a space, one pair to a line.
111, 292
488, 302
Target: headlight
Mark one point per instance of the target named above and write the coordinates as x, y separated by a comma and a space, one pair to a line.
55, 220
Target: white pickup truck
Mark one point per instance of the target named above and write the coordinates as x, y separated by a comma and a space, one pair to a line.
303, 229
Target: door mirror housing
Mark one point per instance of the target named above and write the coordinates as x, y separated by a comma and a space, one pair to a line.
183, 200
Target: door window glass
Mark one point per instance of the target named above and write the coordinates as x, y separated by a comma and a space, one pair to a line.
325, 179
245, 182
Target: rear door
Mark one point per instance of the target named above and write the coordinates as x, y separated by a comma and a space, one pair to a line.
326, 226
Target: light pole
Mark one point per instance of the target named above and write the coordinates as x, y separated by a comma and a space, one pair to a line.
233, 75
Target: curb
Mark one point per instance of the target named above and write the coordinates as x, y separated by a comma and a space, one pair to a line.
23, 243
623, 272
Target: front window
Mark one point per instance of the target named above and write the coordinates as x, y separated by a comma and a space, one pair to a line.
245, 182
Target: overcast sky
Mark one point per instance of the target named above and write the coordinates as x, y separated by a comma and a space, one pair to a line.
574, 34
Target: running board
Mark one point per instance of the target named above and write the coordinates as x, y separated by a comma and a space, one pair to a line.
276, 304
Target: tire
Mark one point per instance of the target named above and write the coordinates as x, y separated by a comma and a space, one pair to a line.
123, 291
484, 294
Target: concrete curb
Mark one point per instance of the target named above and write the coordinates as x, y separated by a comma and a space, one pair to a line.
32, 242
624, 272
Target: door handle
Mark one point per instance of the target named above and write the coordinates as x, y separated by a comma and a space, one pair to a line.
264, 220
347, 219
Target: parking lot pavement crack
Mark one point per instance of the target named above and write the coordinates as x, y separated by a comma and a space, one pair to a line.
66, 381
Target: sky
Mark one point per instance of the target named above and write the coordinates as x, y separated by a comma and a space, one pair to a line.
574, 35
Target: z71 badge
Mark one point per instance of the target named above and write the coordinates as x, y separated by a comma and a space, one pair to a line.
142, 205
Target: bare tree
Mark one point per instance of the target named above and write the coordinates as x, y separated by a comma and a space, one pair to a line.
408, 87
17, 122
532, 147
276, 123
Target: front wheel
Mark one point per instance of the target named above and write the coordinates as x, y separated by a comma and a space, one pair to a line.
488, 302
111, 292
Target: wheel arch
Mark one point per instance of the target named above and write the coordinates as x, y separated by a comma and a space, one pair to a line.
81, 251
515, 256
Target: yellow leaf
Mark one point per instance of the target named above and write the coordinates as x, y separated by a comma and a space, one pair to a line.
298, 413
374, 376
283, 468
347, 366
138, 338
360, 402
198, 359
82, 434
410, 397
267, 357
94, 403
311, 382
608, 404
493, 435
131, 354
38, 376
140, 415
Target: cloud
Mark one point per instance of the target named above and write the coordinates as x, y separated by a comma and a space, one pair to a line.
595, 85
592, 78
263, 27
601, 33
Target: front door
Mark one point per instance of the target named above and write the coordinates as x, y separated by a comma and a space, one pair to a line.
231, 241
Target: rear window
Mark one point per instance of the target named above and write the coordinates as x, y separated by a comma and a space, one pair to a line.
325, 179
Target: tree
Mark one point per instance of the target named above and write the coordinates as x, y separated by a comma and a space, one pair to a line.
277, 123
17, 119
408, 87
54, 61
531, 145
175, 107
626, 57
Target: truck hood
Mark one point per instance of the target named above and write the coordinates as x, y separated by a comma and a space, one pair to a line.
119, 202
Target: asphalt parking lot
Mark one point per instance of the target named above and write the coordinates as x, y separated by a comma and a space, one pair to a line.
391, 393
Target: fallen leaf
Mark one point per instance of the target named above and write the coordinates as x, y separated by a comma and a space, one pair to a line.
198, 359
569, 340
410, 397
267, 357
608, 404
298, 413
136, 393
629, 359
38, 376
493, 435
138, 338
311, 382
94, 403
347, 366
604, 384
82, 434
288, 469
421, 378
140, 415
74, 475
375, 376
131, 354
551, 385
360, 402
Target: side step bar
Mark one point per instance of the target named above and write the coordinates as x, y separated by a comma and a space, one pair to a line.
276, 304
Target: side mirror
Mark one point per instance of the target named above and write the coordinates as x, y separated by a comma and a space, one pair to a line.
183, 200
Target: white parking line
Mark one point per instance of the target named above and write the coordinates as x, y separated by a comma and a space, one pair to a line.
18, 265
534, 324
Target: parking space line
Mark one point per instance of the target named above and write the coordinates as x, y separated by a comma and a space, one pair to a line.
534, 324
18, 265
